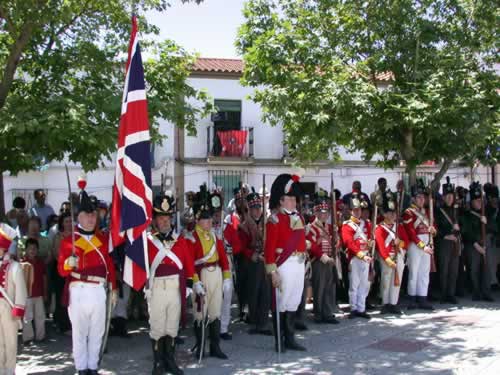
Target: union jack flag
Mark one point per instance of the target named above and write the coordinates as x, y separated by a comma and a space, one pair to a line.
132, 195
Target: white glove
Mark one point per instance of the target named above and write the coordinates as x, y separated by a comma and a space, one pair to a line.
324, 259
72, 261
198, 288
428, 250
484, 220
227, 286
189, 291
114, 299
479, 248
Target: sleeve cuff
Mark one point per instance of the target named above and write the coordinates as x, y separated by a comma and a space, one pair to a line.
18, 311
402, 245
226, 275
389, 261
195, 278
308, 245
270, 268
360, 254
421, 244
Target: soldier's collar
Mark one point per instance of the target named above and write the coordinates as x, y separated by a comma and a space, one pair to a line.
356, 220
85, 232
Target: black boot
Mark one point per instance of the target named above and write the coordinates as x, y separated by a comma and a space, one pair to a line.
197, 333
290, 342
282, 332
215, 350
157, 364
424, 304
413, 303
168, 349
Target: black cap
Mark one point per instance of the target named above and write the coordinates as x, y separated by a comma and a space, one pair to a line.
389, 201
475, 191
164, 204
358, 200
490, 190
202, 207
448, 188
285, 184
418, 188
87, 203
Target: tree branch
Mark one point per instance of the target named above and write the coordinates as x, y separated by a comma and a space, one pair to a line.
13, 60
8, 21
438, 176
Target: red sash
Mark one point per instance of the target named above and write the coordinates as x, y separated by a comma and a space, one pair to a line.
169, 270
290, 246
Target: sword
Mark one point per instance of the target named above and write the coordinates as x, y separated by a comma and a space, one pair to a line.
278, 328
202, 344
109, 310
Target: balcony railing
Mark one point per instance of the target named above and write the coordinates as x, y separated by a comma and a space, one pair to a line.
233, 143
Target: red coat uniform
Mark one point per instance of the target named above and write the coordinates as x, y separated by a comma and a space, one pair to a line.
231, 236
278, 231
250, 238
385, 242
181, 249
320, 238
353, 241
415, 226
197, 252
90, 263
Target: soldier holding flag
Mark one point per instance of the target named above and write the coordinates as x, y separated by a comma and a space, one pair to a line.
89, 270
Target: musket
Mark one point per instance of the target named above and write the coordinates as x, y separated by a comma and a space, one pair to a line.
264, 208
335, 254
371, 272
458, 242
72, 212
397, 281
483, 227
431, 225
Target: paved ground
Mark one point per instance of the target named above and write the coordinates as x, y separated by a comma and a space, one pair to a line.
450, 340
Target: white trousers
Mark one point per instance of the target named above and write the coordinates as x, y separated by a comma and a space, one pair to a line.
8, 339
292, 273
87, 312
211, 278
359, 286
34, 314
389, 292
164, 307
120, 310
419, 266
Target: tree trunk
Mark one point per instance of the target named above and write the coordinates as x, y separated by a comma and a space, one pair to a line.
438, 176
408, 154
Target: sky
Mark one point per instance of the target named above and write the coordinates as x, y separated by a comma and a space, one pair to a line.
209, 29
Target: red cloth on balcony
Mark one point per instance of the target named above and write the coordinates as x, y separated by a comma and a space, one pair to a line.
233, 142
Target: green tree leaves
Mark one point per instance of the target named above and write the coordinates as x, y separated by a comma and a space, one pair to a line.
321, 69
